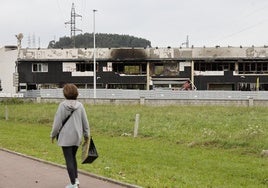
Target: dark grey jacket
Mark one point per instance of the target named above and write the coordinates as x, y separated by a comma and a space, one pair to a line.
75, 128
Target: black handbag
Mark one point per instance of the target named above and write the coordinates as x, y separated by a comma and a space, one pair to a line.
90, 155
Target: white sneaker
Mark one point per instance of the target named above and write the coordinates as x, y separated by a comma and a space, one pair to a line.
77, 182
72, 186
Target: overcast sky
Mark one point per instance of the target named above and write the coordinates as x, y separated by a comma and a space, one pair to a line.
163, 22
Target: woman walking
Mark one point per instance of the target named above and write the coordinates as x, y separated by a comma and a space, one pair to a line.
71, 132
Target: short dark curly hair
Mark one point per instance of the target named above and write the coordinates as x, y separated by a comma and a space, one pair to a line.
70, 91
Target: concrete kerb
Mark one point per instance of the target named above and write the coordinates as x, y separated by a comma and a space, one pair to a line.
80, 171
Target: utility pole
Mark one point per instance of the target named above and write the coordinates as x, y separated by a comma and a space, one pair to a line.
72, 24
94, 57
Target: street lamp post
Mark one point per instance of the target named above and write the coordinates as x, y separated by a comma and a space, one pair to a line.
94, 55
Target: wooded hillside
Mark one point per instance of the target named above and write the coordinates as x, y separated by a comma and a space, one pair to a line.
102, 41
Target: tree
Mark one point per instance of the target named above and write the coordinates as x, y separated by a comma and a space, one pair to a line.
102, 41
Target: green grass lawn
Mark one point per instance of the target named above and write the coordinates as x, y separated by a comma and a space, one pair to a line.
177, 146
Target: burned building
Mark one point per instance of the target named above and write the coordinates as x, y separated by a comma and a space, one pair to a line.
214, 68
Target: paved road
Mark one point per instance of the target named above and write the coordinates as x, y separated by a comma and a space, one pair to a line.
17, 171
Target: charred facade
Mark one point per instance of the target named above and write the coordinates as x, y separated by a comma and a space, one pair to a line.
227, 68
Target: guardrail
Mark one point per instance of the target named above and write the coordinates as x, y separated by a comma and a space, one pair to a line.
151, 94
153, 97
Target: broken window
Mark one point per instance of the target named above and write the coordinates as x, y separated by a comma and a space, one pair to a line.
129, 68
83, 67
253, 68
39, 67
158, 69
214, 66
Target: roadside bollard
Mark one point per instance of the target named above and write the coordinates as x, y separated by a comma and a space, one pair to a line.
6, 112
136, 126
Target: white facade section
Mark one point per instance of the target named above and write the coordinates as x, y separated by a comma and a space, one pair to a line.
164, 52
86, 73
49, 54
68, 67
8, 57
209, 73
184, 64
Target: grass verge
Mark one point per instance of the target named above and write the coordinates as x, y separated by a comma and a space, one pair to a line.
178, 146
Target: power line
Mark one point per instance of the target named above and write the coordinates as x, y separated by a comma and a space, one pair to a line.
244, 29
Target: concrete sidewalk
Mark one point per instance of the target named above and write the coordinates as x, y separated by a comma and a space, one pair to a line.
17, 170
